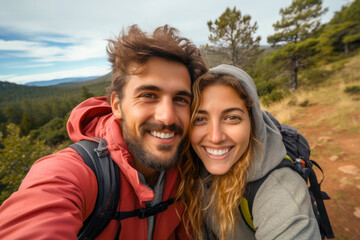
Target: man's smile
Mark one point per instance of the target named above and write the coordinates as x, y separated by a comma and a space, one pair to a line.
162, 135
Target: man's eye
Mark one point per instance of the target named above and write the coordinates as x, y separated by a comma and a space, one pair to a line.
148, 95
181, 99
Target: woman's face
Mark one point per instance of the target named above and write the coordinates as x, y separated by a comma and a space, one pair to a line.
221, 129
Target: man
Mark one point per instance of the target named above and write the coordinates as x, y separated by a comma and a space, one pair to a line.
144, 126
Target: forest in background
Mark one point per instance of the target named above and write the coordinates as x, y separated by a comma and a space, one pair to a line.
33, 119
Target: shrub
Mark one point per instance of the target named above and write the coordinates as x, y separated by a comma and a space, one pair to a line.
17, 156
316, 75
292, 102
352, 90
304, 103
266, 87
274, 96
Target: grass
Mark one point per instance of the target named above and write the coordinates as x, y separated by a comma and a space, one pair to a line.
344, 108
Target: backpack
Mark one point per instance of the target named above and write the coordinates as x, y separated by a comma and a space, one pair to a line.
97, 158
298, 159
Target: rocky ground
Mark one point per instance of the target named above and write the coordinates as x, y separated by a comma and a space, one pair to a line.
338, 153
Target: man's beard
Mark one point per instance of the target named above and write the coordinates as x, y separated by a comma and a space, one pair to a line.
145, 157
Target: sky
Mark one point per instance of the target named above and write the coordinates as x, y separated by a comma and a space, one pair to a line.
52, 39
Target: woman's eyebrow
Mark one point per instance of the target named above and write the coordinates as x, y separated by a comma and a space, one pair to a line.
202, 111
233, 109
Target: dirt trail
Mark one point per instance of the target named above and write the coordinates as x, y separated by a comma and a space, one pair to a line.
338, 153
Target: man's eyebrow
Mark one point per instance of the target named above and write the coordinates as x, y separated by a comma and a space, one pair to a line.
233, 109
155, 88
147, 87
184, 93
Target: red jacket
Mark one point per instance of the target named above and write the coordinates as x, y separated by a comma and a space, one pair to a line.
59, 192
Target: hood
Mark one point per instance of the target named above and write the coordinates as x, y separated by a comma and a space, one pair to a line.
85, 117
272, 150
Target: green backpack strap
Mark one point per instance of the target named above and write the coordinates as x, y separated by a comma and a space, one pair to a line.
245, 213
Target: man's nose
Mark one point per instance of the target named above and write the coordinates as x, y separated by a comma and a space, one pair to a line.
165, 111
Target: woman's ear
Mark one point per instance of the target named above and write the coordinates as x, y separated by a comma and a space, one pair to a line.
115, 105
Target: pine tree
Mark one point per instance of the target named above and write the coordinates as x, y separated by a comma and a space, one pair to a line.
27, 123
232, 34
298, 24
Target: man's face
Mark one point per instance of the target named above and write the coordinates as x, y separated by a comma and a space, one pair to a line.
155, 113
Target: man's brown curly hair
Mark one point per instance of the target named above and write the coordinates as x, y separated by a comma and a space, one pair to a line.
135, 47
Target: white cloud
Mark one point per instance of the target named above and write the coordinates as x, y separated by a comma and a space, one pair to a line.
86, 49
82, 72
37, 65
100, 19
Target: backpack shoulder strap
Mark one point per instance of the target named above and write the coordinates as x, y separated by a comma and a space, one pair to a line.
251, 188
96, 156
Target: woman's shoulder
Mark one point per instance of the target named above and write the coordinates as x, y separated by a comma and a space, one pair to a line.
282, 207
283, 185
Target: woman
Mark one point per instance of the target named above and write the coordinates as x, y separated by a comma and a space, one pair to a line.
235, 142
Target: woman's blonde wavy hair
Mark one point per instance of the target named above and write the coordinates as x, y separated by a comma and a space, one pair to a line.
226, 190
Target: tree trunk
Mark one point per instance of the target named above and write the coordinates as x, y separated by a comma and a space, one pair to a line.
346, 49
294, 74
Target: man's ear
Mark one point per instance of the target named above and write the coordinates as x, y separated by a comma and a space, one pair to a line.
115, 105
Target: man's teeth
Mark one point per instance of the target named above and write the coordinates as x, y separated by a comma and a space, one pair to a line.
162, 135
217, 152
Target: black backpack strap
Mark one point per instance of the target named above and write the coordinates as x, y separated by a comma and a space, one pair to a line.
251, 188
324, 222
145, 212
96, 156
316, 194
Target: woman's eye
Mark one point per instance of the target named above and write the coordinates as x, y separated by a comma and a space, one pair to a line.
233, 118
199, 120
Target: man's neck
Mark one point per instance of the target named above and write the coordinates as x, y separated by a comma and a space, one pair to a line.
151, 175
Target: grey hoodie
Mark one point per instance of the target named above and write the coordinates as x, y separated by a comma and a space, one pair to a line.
282, 207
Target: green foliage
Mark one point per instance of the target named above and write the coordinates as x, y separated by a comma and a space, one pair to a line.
299, 21
54, 132
13, 113
85, 94
27, 123
232, 34
27, 108
304, 103
274, 96
17, 156
350, 12
2, 117
266, 87
342, 33
315, 75
352, 90
292, 102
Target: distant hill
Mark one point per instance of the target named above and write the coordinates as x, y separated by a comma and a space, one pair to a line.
58, 81
93, 80
15, 93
